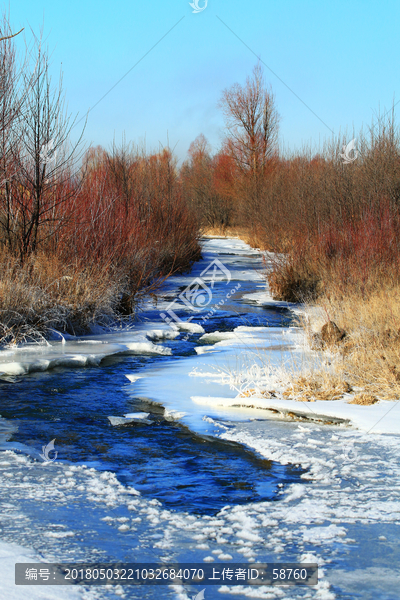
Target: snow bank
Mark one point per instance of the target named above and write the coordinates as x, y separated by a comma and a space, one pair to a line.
191, 327
146, 348
264, 298
254, 340
217, 336
383, 417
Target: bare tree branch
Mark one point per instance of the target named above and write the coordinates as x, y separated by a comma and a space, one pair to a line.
8, 37
252, 122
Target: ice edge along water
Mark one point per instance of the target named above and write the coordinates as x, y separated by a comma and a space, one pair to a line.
354, 497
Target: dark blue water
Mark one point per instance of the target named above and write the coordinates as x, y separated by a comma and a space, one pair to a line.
163, 460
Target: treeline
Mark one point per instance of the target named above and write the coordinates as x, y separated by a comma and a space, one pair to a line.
82, 233
333, 213
332, 219
338, 221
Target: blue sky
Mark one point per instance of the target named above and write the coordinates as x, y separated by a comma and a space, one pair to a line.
341, 58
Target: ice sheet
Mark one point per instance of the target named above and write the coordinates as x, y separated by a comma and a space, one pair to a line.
383, 417
345, 515
76, 353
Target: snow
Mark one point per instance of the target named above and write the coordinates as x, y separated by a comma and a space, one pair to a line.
133, 378
191, 327
254, 339
383, 417
77, 353
217, 336
264, 298
11, 554
137, 415
143, 348
156, 335
344, 515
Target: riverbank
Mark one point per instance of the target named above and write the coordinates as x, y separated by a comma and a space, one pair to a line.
202, 482
122, 228
352, 321
49, 296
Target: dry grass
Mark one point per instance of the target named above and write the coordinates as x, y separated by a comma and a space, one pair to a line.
321, 386
365, 305
253, 392
370, 357
45, 294
364, 399
229, 232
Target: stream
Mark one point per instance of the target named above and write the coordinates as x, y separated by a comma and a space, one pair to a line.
188, 479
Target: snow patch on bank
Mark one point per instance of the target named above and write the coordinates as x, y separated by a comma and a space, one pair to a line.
264, 298
75, 354
156, 335
383, 417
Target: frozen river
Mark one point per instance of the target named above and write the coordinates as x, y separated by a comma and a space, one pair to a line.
185, 477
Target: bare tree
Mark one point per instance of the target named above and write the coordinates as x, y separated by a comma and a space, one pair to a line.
11, 101
46, 162
252, 122
123, 166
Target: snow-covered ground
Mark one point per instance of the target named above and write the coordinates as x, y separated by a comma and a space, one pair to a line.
344, 515
11, 554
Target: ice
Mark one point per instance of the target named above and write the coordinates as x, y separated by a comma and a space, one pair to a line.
389, 579
191, 327
253, 339
320, 535
156, 335
264, 298
146, 348
173, 415
76, 353
13, 368
343, 515
137, 415
133, 378
127, 419
217, 336
205, 349
383, 417
59, 534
